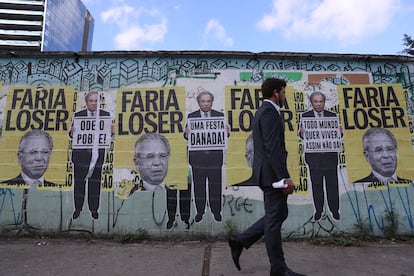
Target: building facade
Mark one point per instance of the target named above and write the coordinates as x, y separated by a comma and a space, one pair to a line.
45, 25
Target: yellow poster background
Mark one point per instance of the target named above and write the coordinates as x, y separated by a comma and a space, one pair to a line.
125, 143
241, 105
353, 114
47, 108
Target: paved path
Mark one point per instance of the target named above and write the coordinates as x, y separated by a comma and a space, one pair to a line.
23, 256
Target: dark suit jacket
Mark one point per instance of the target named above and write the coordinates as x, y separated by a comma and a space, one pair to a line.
270, 153
371, 178
205, 158
322, 160
83, 156
18, 180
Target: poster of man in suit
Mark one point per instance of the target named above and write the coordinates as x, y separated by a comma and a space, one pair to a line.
376, 122
33, 145
33, 154
35, 126
206, 132
91, 133
321, 133
381, 152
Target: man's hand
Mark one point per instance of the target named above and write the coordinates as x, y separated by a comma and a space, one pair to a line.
289, 189
228, 130
71, 131
186, 132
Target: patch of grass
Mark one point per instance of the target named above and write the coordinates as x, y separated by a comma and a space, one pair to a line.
363, 230
391, 224
336, 240
364, 233
139, 236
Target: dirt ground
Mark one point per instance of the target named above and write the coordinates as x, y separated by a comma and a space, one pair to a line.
43, 256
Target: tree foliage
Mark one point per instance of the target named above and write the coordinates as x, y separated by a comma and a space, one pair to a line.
408, 42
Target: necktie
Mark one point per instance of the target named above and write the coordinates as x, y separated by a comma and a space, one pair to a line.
92, 113
157, 187
206, 114
319, 114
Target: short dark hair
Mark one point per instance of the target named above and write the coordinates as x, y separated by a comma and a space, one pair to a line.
270, 85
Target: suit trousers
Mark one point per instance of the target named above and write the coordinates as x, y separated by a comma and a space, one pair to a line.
200, 177
184, 200
331, 185
276, 211
94, 187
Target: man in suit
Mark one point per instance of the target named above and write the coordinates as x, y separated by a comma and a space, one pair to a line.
88, 162
33, 156
322, 165
206, 165
249, 158
380, 151
152, 152
271, 174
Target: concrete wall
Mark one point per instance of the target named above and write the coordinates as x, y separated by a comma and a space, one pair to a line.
154, 92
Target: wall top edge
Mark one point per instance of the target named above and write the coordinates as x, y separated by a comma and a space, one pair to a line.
240, 54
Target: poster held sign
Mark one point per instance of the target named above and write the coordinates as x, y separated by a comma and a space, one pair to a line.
321, 134
207, 134
89, 131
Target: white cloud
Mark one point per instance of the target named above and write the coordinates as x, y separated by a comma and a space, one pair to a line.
214, 30
117, 15
343, 20
137, 28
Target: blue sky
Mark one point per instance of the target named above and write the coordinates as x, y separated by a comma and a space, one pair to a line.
309, 26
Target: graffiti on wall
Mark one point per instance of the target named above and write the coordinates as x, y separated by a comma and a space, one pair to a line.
166, 143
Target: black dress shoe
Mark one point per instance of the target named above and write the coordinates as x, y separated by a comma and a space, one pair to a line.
170, 224
198, 217
317, 216
236, 250
290, 272
217, 217
75, 214
187, 224
335, 215
95, 215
